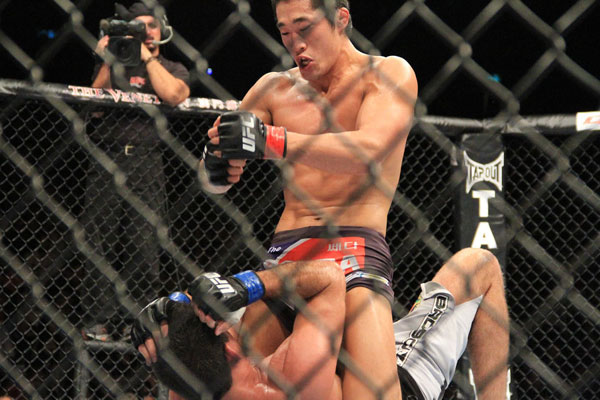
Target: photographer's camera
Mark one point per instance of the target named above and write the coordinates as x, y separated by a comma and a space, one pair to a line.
125, 41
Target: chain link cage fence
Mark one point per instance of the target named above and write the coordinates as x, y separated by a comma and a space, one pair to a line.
48, 157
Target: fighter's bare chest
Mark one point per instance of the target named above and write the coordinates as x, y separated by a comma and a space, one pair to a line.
302, 113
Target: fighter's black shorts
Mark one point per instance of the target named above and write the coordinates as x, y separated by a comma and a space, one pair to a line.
362, 253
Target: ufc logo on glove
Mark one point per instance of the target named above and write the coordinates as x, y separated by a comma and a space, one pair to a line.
242, 135
223, 286
248, 138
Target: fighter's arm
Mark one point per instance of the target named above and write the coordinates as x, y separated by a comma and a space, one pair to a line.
258, 98
217, 175
307, 358
170, 89
384, 120
255, 101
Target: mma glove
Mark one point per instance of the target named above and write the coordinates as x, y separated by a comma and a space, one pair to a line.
213, 177
156, 312
219, 296
242, 135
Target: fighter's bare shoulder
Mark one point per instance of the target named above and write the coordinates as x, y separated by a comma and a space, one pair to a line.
266, 87
275, 80
396, 72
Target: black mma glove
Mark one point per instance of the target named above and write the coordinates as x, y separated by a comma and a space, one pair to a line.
242, 135
213, 175
156, 312
217, 295
216, 169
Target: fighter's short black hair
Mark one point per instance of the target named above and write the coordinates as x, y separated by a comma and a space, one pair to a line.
199, 349
323, 4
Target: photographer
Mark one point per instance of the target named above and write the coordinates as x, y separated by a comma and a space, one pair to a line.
154, 74
129, 137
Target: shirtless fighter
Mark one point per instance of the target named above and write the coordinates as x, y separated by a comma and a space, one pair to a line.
340, 121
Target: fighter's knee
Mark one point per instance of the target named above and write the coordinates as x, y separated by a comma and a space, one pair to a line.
478, 258
484, 263
487, 264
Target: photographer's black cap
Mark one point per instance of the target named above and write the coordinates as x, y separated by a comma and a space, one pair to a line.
135, 10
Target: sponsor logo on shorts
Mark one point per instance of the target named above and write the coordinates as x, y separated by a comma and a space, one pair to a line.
347, 252
403, 349
419, 300
366, 275
274, 249
339, 246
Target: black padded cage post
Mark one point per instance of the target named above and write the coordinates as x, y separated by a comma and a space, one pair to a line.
480, 222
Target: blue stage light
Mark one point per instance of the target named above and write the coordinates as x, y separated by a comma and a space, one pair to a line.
49, 33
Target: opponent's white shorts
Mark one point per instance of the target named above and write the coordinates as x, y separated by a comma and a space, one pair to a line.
432, 337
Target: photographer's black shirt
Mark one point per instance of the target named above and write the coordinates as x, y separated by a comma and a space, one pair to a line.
121, 126
137, 80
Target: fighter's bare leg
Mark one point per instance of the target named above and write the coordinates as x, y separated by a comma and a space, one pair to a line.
261, 331
369, 342
468, 274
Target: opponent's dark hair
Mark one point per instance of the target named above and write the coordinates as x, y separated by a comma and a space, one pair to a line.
326, 6
199, 349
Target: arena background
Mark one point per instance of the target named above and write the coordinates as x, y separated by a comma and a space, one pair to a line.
515, 70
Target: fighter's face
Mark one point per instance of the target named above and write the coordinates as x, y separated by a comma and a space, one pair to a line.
309, 38
152, 30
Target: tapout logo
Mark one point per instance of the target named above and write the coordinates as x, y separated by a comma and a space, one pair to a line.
491, 172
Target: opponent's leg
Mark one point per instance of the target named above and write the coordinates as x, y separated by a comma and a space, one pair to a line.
471, 273
369, 343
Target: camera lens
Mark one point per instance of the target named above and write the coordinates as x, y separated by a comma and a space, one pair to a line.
125, 50
122, 48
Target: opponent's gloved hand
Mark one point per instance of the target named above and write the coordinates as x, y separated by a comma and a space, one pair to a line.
156, 311
213, 173
242, 135
218, 295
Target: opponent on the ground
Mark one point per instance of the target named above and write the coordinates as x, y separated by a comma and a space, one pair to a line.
340, 120
462, 307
